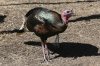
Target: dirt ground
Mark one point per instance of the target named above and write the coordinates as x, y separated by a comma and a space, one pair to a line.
80, 43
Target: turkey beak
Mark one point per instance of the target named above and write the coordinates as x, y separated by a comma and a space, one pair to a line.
72, 13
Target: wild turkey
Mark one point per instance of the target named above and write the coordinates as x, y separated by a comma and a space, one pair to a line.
46, 23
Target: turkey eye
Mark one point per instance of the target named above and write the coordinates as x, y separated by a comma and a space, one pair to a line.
68, 11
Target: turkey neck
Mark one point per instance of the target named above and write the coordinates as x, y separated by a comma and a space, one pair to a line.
61, 24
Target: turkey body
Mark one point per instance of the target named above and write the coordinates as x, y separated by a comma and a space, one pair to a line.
44, 23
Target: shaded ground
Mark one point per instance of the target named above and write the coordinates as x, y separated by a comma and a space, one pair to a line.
79, 44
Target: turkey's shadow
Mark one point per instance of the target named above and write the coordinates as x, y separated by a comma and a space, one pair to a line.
2, 18
86, 18
12, 31
70, 49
